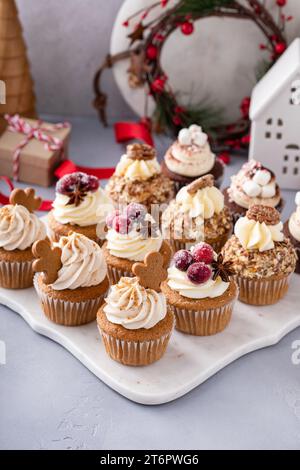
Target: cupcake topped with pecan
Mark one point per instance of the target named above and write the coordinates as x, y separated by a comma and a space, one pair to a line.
259, 250
80, 205
253, 184
198, 213
138, 178
190, 156
292, 230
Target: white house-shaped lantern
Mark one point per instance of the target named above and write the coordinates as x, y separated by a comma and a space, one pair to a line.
275, 116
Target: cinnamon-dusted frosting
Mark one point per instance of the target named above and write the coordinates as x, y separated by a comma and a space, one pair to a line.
190, 155
254, 184
294, 222
132, 245
131, 305
19, 228
91, 211
83, 263
139, 163
259, 229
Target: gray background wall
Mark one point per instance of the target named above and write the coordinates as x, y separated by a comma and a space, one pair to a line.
68, 39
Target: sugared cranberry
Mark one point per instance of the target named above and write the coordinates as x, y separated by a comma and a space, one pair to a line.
183, 259
77, 181
203, 252
121, 224
110, 218
135, 211
198, 273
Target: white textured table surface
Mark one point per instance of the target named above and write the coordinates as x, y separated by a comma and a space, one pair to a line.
50, 400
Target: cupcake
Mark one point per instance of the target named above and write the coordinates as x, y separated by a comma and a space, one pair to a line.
19, 229
292, 230
200, 290
80, 205
135, 323
71, 279
262, 258
253, 184
131, 235
190, 157
138, 178
197, 214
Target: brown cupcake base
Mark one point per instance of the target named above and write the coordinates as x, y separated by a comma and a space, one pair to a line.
201, 317
135, 347
295, 243
262, 291
238, 211
71, 307
179, 180
16, 269
121, 267
58, 230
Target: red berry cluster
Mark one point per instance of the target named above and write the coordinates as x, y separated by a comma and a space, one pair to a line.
122, 222
196, 263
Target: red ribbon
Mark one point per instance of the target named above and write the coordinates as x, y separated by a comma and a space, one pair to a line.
125, 131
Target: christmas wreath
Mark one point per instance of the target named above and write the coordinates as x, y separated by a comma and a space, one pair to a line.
147, 38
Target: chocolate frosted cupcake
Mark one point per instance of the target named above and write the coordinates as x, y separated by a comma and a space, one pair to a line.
81, 206
197, 214
253, 184
262, 258
71, 279
130, 237
292, 230
138, 179
199, 291
190, 157
135, 323
19, 229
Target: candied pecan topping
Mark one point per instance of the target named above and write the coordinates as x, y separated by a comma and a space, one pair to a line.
140, 152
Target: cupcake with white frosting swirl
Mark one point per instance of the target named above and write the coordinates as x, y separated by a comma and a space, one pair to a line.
20, 228
292, 230
138, 178
71, 279
263, 259
135, 322
200, 290
80, 205
198, 213
190, 157
131, 235
253, 184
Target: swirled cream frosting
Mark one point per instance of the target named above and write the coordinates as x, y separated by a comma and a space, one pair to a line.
254, 235
132, 169
131, 305
294, 222
205, 202
133, 245
83, 263
19, 228
92, 209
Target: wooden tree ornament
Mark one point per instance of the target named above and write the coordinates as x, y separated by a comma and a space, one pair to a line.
14, 66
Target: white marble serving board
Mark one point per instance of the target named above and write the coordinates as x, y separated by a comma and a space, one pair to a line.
189, 360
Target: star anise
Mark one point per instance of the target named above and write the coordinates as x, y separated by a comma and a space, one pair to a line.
76, 196
222, 269
137, 34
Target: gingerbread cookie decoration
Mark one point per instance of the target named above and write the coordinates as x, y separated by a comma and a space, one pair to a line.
25, 197
48, 260
167, 253
151, 273
140, 152
206, 181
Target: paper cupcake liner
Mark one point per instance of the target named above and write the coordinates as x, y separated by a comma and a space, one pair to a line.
66, 312
115, 274
16, 275
204, 322
135, 353
262, 291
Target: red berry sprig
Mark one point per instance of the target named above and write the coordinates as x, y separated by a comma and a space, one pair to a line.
187, 28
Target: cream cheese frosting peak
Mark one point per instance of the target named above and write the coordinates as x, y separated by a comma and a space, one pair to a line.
254, 235
133, 169
205, 202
